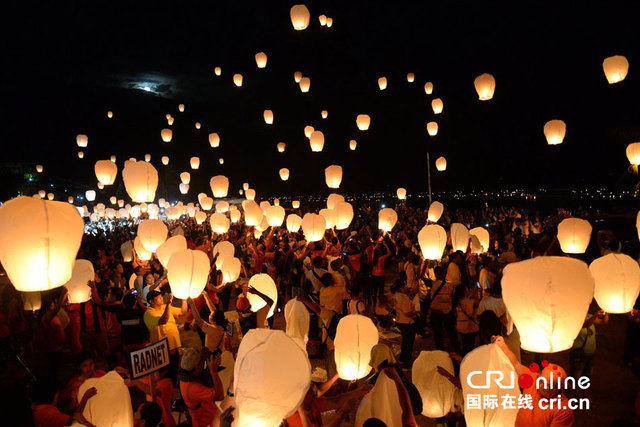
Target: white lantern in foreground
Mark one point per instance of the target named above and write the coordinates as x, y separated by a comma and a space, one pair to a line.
387, 219
313, 227
633, 153
188, 271
90, 195
271, 377
355, 337
435, 211
617, 282
265, 284
293, 223
363, 121
554, 131
169, 247
483, 237
39, 241
333, 200
401, 193
79, 290
437, 392
615, 68
548, 299
111, 406
275, 216
330, 217
223, 249
432, 239
142, 252
299, 17
459, 237
485, 85
219, 223
230, 268
344, 215
219, 186
152, 233
333, 176
140, 180
574, 235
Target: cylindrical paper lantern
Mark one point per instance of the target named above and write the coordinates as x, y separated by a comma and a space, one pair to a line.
295, 204
483, 237
214, 140
305, 84
140, 180
432, 128
261, 59
221, 250
143, 253
252, 213
152, 233
432, 239
90, 195
355, 337
324, 114
428, 88
329, 22
126, 249
363, 121
297, 76
333, 200
435, 211
299, 17
333, 176
185, 177
166, 135
39, 168
265, 284
194, 162
554, 131
222, 206
387, 219
344, 215
617, 282
411, 77
181, 108
281, 146
485, 85
82, 140
111, 406
275, 216
294, 222
219, 223
459, 237
401, 193
188, 271
79, 290
437, 392
184, 188
268, 117
323, 20
237, 80
615, 68
316, 140
330, 217
201, 217
250, 194
313, 227
353, 144
382, 83
219, 186
441, 164
574, 235
80, 155
221, 161
230, 268
217, 71
165, 160
172, 244
633, 153
284, 174
437, 106
297, 320
308, 130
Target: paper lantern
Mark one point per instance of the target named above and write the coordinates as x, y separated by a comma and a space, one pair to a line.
268, 117
201, 217
152, 233
297, 76
411, 77
305, 84
80, 155
39, 168
43, 194
140, 180
401, 193
219, 186
188, 271
111, 406
297, 320
165, 160
294, 222
308, 130
172, 244
329, 22
316, 140
459, 237
333, 200
79, 290
237, 80
181, 108
353, 144
333, 176
633, 153
252, 213
147, 157
173, 213
435, 211
219, 223
324, 114
617, 282
615, 68
281, 146
485, 85
548, 299
100, 186
264, 205
313, 227
355, 337
432, 239
271, 377
382, 83
217, 71
363, 121
39, 241
574, 235
214, 140
194, 162
437, 105
184, 188
441, 164
295, 204
436, 391
126, 249
432, 128
185, 177
143, 253
170, 121
221, 250
166, 135
134, 211
275, 216
284, 174
381, 403
265, 284
344, 215
110, 114
70, 199
250, 194
261, 59
32, 301
230, 268
198, 125
428, 88
387, 219
299, 17
485, 359
323, 20
90, 195
82, 140
554, 131
483, 237
120, 203
222, 206
113, 158
330, 217
245, 186
221, 161
113, 200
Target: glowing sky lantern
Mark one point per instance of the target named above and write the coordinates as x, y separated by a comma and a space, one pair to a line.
100, 186
42, 194
214, 140
219, 223
382, 83
221, 161
70, 199
143, 253
323, 20
261, 59
222, 249
615, 68
554, 131
574, 235
281, 147
106, 171
217, 71
90, 195
387, 219
170, 121
483, 237
333, 176
355, 337
120, 203
265, 284
313, 227
152, 233
222, 206
181, 108
194, 162
219, 186
79, 290
284, 174
39, 168
188, 271
268, 117
428, 88
299, 17
437, 106
617, 282
435, 211
333, 200
245, 186
363, 121
316, 140
308, 130
432, 128
271, 377
305, 84
401, 193
436, 391
113, 158
81, 154
165, 160
201, 217
294, 222
230, 268
110, 114
275, 216
459, 237
295, 204
147, 157
250, 194
548, 299
441, 164
344, 215
184, 188
324, 114
633, 153
353, 144
39, 241
264, 205
113, 200
432, 240
237, 80
185, 177
411, 77
82, 140
140, 180
252, 213
485, 85
329, 22
166, 135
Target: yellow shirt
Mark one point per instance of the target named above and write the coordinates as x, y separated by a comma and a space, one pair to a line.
331, 298
170, 329
403, 306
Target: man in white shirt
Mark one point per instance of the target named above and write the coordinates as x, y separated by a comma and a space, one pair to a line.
314, 275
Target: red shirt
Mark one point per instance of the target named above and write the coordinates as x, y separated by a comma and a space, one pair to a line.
166, 391
199, 400
49, 416
314, 414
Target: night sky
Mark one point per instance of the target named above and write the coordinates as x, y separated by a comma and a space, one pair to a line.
66, 66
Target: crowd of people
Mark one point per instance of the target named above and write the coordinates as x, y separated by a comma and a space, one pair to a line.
453, 304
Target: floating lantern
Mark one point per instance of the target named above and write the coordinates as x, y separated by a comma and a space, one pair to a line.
100, 186
324, 114
333, 176
330, 217
308, 130
198, 125
120, 203
201, 216
265, 284
165, 160
80, 155
140, 180
170, 121
143, 253
237, 80
297, 320
281, 146
268, 117
235, 215
184, 188
221, 161
39, 241
387, 219
435, 211
459, 237
299, 17
355, 337
106, 171
152, 233
313, 227
245, 186
294, 222
147, 158
554, 131
617, 282
295, 204
297, 76
39, 168
353, 144
401, 193
42, 194
79, 290
329, 22
217, 71
219, 186
50, 196
382, 83
110, 114
90, 195
574, 235
441, 164
113, 200
284, 174
194, 162
221, 250
113, 158
222, 206
264, 205
185, 177
483, 237
70, 199
305, 84
230, 268
436, 391
615, 68
432, 239
485, 85
181, 108
275, 216
316, 140
261, 59
432, 128
188, 271
344, 215
633, 153
82, 140
333, 200
253, 214
437, 105
32, 301
219, 223
411, 77
548, 299
363, 121
428, 88
250, 194
166, 135
214, 140
323, 20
